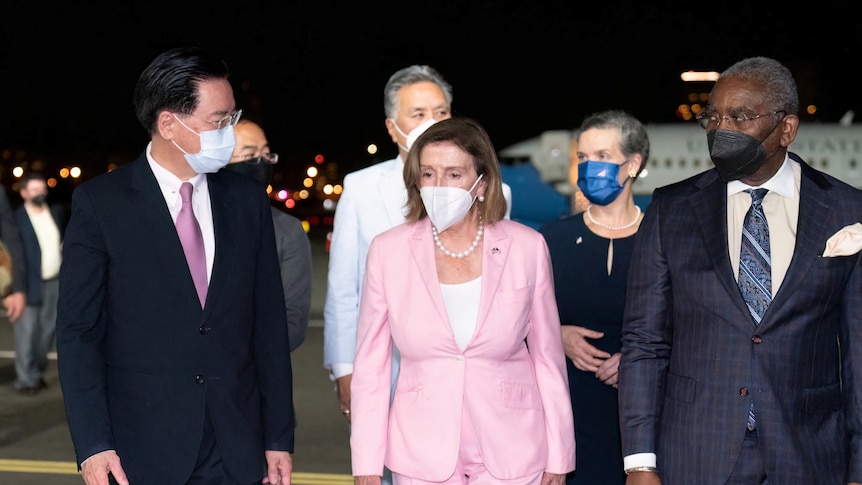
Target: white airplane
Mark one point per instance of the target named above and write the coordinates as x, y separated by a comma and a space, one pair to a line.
678, 151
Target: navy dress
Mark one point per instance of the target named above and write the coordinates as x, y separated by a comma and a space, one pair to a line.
588, 296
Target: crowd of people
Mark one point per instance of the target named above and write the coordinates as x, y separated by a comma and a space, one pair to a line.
705, 338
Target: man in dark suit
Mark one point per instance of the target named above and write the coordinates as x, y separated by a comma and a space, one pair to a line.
170, 376
252, 157
41, 226
725, 379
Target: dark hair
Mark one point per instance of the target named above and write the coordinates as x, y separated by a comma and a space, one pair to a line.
170, 82
468, 135
633, 134
32, 176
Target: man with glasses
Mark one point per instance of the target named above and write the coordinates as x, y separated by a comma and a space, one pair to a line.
743, 308
171, 330
252, 157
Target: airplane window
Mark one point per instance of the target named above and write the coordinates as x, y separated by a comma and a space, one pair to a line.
682, 163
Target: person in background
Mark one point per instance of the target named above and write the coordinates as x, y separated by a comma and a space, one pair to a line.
468, 299
171, 329
371, 202
740, 358
590, 253
15, 302
41, 227
253, 157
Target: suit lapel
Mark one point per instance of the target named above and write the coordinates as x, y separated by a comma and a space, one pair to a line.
814, 214
496, 250
156, 225
713, 230
223, 202
422, 249
391, 189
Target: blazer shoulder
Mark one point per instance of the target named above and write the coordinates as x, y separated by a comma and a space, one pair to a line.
371, 172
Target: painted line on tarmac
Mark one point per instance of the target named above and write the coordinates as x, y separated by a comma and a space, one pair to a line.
70, 468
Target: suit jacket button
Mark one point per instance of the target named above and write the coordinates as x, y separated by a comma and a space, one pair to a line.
459, 358
204, 329
199, 379
743, 391
756, 339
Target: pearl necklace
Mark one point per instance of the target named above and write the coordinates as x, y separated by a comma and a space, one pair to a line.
614, 228
462, 254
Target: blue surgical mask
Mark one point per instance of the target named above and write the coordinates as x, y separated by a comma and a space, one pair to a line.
600, 181
216, 149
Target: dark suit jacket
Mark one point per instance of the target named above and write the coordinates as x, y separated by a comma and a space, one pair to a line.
32, 250
140, 363
692, 357
11, 237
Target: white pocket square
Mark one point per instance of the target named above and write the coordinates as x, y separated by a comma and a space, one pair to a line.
845, 242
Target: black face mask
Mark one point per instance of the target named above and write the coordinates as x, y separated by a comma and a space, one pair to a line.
736, 155
40, 199
260, 172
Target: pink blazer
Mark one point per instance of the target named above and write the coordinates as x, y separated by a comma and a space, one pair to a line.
518, 398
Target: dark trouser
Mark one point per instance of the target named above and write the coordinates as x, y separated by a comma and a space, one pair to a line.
749, 467
208, 467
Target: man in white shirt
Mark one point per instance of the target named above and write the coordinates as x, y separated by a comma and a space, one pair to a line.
41, 227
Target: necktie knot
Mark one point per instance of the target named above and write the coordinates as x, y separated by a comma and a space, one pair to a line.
186, 190
757, 196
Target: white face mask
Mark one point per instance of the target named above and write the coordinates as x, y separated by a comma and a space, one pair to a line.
414, 133
216, 149
447, 206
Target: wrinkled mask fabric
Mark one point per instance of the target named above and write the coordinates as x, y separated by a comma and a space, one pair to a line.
414, 134
447, 206
600, 181
736, 155
216, 149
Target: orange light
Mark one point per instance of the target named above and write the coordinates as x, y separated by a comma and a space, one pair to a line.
318, 159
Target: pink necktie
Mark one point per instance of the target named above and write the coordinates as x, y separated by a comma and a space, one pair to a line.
193, 242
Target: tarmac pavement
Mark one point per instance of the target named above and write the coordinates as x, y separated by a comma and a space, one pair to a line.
35, 446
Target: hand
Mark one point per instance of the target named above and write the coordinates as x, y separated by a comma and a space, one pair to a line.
582, 353
95, 469
14, 304
553, 479
643, 478
609, 370
279, 466
366, 480
342, 388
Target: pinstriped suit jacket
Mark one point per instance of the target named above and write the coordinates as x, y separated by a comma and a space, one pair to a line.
692, 358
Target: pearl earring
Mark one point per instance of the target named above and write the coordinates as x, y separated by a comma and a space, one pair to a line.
481, 198
633, 174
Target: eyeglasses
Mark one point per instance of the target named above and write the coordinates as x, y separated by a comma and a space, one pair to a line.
711, 119
264, 158
229, 120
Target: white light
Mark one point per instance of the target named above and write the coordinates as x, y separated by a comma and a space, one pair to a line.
701, 76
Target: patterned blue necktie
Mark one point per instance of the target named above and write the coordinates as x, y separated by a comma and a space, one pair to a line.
755, 267
755, 275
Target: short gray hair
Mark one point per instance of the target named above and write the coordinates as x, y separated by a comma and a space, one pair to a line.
407, 76
781, 94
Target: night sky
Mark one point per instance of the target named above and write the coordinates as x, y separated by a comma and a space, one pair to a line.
312, 72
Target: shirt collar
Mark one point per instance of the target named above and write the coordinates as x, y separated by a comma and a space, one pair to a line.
781, 183
170, 183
